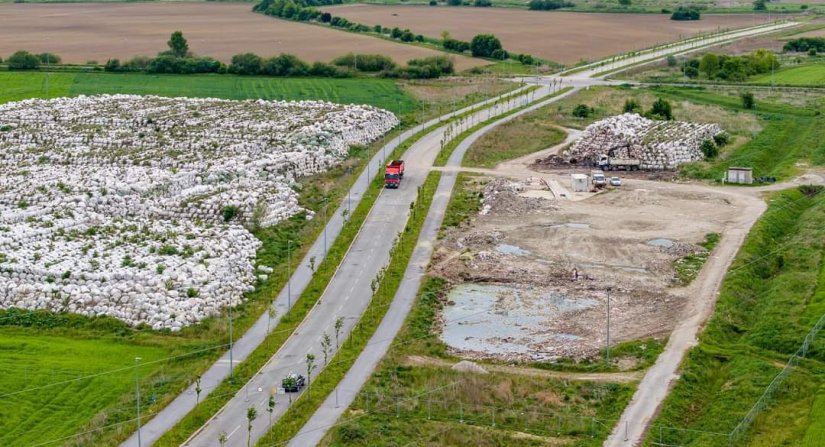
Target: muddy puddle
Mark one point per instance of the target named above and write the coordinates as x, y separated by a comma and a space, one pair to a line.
502, 321
511, 250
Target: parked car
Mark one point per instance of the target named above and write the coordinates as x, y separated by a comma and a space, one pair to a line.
615, 181
293, 383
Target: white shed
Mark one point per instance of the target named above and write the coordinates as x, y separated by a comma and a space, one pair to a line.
579, 183
739, 175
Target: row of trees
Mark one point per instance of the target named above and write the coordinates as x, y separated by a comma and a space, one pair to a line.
803, 44
731, 68
23, 60
482, 45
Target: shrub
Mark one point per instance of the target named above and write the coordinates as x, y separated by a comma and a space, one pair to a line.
112, 65
625, 2
810, 190
722, 139
455, 45
760, 5
483, 45
811, 51
661, 109
365, 62
482, 3
748, 101
804, 44
48, 58
285, 65
685, 13
582, 111
709, 149
671, 60
246, 64
230, 212
454, 2
631, 106
500, 54
548, 5
23, 60
433, 2
192, 292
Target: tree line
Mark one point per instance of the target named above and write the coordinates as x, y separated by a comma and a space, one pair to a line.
812, 45
730, 68
178, 59
482, 45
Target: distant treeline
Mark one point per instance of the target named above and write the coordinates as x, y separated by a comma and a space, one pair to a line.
549, 5
179, 60
803, 44
686, 13
306, 11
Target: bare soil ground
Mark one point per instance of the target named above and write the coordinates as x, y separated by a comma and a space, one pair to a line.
580, 248
558, 36
93, 31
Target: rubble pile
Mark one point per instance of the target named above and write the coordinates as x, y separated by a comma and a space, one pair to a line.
658, 144
134, 206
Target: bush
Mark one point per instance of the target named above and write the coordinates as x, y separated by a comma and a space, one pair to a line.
685, 13
455, 45
671, 60
526, 59
500, 54
722, 139
433, 2
631, 106
582, 111
810, 190
482, 3
661, 109
285, 65
48, 58
454, 2
748, 101
365, 62
246, 64
548, 5
709, 149
230, 212
625, 2
811, 51
112, 65
760, 5
804, 44
426, 68
483, 45
23, 60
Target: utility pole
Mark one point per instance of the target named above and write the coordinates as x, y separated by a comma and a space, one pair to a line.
137, 400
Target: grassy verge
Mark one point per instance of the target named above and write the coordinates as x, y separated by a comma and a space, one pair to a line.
770, 299
417, 402
302, 409
524, 135
447, 150
688, 267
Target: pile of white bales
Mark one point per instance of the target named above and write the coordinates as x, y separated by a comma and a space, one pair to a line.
135, 206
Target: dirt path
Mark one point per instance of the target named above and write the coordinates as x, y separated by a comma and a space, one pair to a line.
617, 377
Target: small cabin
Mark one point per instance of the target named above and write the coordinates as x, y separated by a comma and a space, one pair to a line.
579, 183
739, 175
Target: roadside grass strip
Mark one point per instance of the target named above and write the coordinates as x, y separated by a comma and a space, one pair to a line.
325, 382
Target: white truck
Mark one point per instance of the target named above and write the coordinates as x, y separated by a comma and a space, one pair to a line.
608, 163
598, 179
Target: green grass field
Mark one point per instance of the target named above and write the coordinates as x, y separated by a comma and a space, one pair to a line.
382, 93
802, 75
769, 300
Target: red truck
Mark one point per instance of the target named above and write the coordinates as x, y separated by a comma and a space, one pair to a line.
394, 174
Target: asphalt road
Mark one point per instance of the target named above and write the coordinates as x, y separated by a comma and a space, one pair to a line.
346, 296
155, 425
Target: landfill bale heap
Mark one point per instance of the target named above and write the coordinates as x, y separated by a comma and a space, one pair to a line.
657, 144
136, 207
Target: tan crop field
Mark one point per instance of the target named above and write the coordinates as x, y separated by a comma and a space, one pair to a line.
563, 37
83, 32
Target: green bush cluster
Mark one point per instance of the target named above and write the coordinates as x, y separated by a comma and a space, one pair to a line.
805, 44
548, 5
731, 68
686, 13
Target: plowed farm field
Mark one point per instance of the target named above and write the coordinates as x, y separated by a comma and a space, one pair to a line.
94, 31
563, 37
